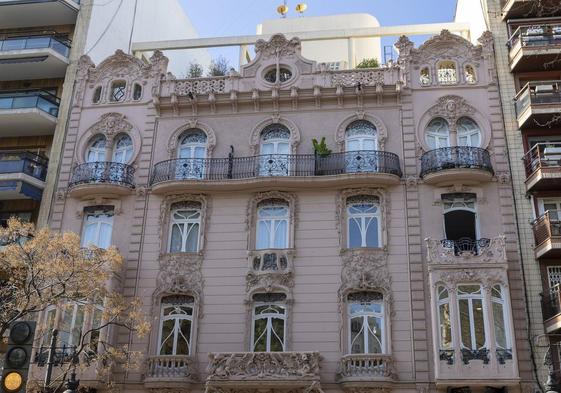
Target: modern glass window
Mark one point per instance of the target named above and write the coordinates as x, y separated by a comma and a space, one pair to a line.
472, 316
123, 150
185, 224
363, 222
500, 319
366, 322
118, 91
447, 73
470, 75
98, 226
268, 323
437, 134
424, 76
96, 150
192, 153
176, 325
469, 133
361, 140
275, 147
137, 92
272, 224
444, 319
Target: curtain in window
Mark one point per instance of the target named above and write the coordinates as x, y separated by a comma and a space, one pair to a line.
272, 225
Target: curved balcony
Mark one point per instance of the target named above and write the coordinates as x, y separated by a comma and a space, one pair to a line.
448, 165
102, 178
243, 173
170, 371
366, 370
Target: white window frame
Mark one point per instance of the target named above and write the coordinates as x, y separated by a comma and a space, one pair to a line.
485, 312
177, 318
362, 219
97, 152
506, 318
364, 316
462, 131
439, 137
99, 224
439, 303
463, 208
269, 327
187, 225
127, 150
441, 71
273, 222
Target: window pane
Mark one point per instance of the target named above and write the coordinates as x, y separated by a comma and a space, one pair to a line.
500, 330
175, 245
478, 323
374, 335
192, 238
372, 232
166, 345
355, 238
183, 337
105, 235
357, 335
281, 240
78, 325
260, 335
89, 234
445, 326
464, 323
277, 335
262, 234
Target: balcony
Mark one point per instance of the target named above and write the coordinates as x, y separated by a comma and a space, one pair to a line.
170, 372
528, 8
449, 165
245, 173
454, 252
543, 167
366, 370
547, 235
101, 178
242, 370
33, 57
538, 104
27, 112
551, 309
29, 13
22, 175
535, 48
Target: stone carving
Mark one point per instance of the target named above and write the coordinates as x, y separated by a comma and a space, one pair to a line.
451, 108
412, 181
494, 253
486, 277
405, 48
270, 270
445, 46
351, 78
263, 366
366, 367
503, 177
202, 86
365, 270
278, 45
122, 65
110, 125
164, 369
269, 282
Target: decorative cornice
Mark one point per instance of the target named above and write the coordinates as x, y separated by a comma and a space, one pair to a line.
278, 45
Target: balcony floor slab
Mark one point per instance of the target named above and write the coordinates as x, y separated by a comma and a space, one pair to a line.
32, 64
26, 122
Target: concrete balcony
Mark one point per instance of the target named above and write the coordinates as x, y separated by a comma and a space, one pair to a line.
538, 104
22, 175
263, 370
354, 168
366, 371
533, 46
170, 372
450, 165
111, 178
543, 167
453, 253
29, 13
33, 57
547, 235
27, 112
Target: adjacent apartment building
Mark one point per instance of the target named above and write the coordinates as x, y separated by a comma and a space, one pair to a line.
386, 261
528, 49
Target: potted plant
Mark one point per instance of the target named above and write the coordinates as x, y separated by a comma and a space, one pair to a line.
321, 151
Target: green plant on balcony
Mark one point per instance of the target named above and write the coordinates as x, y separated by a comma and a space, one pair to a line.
320, 148
368, 63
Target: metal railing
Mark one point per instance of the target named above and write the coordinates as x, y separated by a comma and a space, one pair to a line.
547, 226
466, 246
58, 44
25, 99
276, 165
551, 302
103, 172
535, 93
455, 158
536, 35
23, 162
542, 155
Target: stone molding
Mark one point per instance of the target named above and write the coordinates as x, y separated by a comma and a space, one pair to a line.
487, 277
493, 254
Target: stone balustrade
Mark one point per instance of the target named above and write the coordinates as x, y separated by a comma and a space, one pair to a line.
446, 252
169, 370
366, 366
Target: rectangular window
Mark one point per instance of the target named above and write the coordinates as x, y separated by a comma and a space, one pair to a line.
185, 227
363, 222
272, 225
98, 226
366, 322
472, 321
269, 323
176, 325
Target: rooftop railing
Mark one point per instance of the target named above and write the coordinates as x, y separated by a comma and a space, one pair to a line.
536, 35
456, 157
25, 99
546, 92
59, 45
23, 162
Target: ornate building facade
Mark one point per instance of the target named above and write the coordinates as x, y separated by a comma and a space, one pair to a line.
385, 260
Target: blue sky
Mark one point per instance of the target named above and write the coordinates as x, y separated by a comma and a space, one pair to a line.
212, 18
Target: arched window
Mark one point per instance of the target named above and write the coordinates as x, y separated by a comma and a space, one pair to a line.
363, 222
460, 219
118, 91
97, 95
447, 73
96, 150
98, 226
275, 148
444, 319
272, 224
361, 143
472, 317
500, 318
123, 150
424, 76
437, 134
469, 133
176, 325
192, 154
136, 92
469, 74
185, 224
268, 330
366, 322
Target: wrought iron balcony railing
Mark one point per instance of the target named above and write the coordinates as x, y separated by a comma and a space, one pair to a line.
369, 365
170, 368
103, 172
25, 99
547, 226
466, 250
536, 93
466, 245
457, 157
276, 165
536, 35
23, 162
542, 156
59, 45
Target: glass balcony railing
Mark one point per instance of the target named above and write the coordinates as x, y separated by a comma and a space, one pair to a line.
23, 162
546, 92
59, 45
536, 35
25, 99
10, 2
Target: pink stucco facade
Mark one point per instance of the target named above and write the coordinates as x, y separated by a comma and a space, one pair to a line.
402, 267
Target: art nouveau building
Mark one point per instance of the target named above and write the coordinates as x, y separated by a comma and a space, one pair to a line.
265, 266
